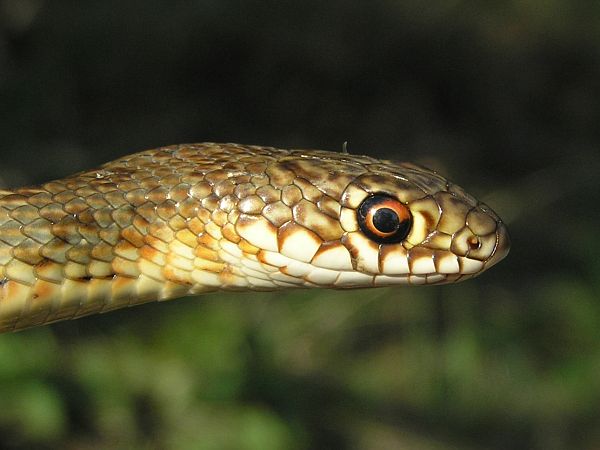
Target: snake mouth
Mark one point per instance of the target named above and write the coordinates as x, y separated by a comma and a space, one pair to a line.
502, 246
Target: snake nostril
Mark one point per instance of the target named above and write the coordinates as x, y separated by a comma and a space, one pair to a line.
474, 243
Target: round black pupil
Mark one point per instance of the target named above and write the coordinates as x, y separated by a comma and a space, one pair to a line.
386, 220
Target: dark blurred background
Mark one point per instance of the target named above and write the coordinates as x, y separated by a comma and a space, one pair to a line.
502, 96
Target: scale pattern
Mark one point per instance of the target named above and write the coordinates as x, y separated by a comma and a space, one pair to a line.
187, 219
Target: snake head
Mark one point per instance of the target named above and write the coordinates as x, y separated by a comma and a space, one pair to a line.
350, 221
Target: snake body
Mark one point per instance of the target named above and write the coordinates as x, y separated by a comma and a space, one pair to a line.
188, 219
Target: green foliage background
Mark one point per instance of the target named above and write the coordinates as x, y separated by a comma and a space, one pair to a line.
502, 96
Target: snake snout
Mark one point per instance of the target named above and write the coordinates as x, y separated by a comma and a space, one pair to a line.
482, 242
502, 245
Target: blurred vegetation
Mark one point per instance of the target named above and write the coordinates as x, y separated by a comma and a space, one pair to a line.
502, 96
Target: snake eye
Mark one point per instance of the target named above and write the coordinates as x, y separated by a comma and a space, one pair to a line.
384, 219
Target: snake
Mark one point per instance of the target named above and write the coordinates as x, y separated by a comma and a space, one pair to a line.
188, 219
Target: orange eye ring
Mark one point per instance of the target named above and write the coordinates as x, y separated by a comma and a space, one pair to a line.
384, 219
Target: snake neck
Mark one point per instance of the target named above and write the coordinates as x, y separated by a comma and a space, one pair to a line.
68, 250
